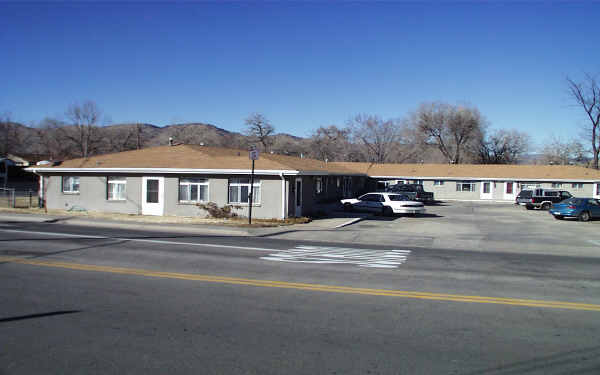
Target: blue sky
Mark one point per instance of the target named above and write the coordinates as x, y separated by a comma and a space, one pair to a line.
302, 64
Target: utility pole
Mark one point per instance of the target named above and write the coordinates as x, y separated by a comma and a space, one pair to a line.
253, 155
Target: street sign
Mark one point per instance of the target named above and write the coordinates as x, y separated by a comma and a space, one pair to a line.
254, 154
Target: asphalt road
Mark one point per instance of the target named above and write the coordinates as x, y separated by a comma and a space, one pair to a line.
90, 300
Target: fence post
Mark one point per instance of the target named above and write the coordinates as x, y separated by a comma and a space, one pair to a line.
14, 199
30, 198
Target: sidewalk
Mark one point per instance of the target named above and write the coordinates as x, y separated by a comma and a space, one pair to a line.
205, 228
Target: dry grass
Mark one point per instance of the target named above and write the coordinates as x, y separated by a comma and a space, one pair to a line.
237, 221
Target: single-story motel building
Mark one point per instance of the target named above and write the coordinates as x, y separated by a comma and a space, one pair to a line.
172, 180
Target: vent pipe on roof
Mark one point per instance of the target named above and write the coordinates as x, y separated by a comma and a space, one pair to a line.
170, 141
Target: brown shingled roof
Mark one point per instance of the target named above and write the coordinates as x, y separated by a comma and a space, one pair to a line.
205, 157
200, 157
491, 171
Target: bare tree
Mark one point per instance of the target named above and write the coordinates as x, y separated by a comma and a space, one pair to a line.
453, 129
10, 136
259, 129
51, 143
503, 147
558, 151
378, 138
330, 143
83, 133
586, 94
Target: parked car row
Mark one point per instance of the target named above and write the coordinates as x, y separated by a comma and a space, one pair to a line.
541, 198
559, 203
384, 204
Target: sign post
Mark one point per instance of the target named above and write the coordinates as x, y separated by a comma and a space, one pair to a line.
253, 155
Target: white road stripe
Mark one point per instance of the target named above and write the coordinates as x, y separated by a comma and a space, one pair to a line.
300, 254
338, 255
136, 240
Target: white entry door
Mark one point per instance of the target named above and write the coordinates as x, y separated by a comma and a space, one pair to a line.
153, 196
487, 190
510, 190
298, 197
597, 190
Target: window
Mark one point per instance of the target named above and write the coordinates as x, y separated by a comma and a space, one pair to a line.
347, 188
70, 184
465, 186
193, 189
486, 187
152, 190
438, 183
239, 190
398, 197
509, 188
556, 185
318, 185
577, 186
372, 198
116, 189
417, 182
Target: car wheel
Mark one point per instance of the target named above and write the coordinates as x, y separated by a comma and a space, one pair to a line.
584, 216
529, 207
546, 206
347, 207
558, 217
387, 211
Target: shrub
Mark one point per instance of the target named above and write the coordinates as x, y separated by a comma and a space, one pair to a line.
218, 212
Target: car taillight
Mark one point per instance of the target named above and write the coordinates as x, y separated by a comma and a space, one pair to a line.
572, 207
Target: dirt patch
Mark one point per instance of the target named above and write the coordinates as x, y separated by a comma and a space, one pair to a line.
237, 221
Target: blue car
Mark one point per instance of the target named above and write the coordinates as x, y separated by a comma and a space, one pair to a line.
582, 208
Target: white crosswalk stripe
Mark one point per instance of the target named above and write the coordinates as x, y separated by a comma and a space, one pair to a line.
340, 255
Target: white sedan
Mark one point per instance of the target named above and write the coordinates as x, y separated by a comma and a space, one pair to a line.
384, 203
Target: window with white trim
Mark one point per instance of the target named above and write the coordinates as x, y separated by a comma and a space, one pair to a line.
70, 184
116, 188
417, 182
239, 190
318, 185
193, 190
438, 182
556, 185
465, 186
577, 186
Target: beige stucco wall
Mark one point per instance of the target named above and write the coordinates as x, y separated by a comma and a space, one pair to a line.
92, 196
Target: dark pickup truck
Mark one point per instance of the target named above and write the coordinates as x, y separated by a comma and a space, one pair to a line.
541, 198
414, 191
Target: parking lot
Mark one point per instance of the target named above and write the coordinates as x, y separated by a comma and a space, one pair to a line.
473, 226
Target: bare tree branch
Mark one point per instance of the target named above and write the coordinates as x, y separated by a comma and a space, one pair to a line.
259, 129
586, 94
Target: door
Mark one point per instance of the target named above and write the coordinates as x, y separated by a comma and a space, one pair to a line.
509, 190
153, 196
298, 204
487, 190
594, 205
597, 190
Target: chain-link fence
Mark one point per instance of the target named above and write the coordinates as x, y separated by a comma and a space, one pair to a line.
18, 198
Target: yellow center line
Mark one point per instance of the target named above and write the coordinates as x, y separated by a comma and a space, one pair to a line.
305, 286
